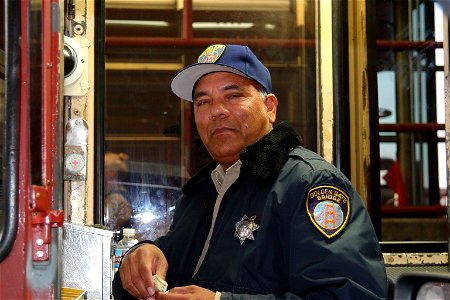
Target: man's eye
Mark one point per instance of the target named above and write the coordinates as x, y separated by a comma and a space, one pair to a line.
201, 102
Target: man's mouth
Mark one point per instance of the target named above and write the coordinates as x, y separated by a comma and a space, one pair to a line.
221, 130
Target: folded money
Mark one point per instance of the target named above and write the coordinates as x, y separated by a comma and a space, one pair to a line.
160, 284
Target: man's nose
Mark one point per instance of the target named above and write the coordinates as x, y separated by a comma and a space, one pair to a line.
217, 110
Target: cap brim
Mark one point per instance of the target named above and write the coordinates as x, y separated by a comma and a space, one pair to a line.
183, 83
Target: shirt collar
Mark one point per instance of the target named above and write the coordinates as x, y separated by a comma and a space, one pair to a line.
218, 175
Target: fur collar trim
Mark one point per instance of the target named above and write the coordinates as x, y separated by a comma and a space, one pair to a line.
264, 159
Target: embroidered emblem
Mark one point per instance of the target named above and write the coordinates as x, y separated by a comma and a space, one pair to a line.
245, 228
328, 208
211, 54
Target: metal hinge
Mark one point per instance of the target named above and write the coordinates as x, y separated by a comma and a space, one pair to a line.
43, 219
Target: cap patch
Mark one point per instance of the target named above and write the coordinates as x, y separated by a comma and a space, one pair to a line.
328, 208
211, 54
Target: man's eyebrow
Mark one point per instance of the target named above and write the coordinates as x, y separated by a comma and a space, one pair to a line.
199, 94
229, 87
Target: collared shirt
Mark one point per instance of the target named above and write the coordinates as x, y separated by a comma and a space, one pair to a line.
225, 179
222, 179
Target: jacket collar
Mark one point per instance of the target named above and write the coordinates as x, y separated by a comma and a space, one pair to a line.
264, 159
261, 160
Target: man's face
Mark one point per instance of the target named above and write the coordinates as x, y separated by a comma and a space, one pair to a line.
230, 113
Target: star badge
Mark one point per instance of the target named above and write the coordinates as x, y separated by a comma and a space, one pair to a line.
245, 228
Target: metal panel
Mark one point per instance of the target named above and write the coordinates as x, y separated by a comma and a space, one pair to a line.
87, 260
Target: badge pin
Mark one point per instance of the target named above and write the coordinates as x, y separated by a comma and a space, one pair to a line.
245, 228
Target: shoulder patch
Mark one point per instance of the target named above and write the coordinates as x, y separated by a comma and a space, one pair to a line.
211, 54
328, 208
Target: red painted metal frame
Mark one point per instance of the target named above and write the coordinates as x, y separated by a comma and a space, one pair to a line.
187, 19
41, 237
188, 41
15, 263
412, 127
201, 42
188, 109
43, 216
408, 45
434, 211
35, 203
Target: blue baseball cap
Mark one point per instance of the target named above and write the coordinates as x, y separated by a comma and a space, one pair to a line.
235, 59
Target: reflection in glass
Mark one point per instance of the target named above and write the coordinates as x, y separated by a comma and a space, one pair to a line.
407, 34
118, 209
147, 45
435, 291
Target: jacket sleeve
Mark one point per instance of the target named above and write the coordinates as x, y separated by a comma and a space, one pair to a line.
348, 265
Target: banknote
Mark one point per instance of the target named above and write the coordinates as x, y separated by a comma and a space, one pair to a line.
160, 284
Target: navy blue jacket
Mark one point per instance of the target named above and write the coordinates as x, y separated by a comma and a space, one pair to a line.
314, 238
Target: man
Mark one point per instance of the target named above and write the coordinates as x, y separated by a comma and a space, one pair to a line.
268, 219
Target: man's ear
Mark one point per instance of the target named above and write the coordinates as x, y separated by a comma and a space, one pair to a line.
271, 103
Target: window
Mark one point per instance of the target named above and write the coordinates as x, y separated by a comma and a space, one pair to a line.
411, 111
149, 131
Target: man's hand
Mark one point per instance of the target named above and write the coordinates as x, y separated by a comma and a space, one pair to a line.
191, 292
138, 267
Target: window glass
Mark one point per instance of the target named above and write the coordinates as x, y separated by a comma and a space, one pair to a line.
411, 105
151, 143
35, 79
